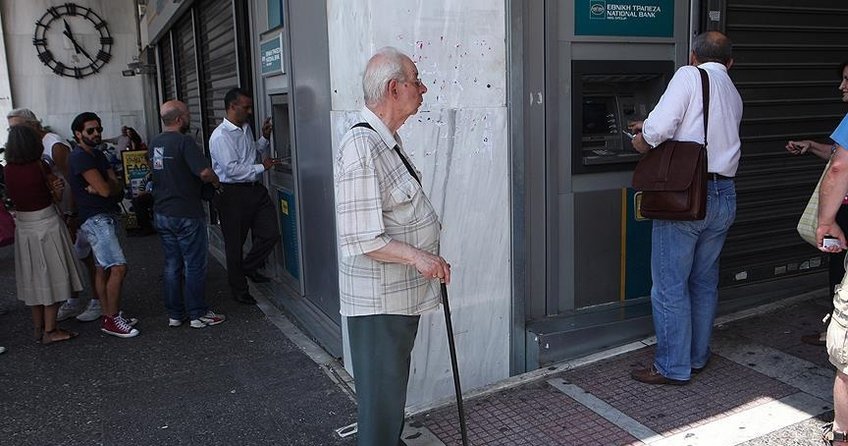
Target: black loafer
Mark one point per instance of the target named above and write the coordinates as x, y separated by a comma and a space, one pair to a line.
255, 277
245, 298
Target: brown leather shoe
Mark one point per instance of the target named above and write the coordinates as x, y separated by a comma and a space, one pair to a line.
652, 376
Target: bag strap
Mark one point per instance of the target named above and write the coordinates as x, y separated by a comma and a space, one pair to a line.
397, 150
705, 94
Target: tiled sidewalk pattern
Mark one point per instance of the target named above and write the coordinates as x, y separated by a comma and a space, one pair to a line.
539, 415
783, 329
723, 388
532, 415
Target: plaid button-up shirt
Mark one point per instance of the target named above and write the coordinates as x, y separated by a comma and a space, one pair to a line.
377, 200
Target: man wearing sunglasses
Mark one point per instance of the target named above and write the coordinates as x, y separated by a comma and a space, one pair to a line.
97, 191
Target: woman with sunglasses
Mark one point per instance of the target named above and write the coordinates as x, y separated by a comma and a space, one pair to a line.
46, 269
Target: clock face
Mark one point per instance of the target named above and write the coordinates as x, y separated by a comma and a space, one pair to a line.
72, 40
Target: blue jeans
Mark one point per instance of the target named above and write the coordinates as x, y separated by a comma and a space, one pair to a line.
101, 231
185, 246
684, 270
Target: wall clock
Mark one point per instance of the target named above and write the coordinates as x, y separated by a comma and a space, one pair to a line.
72, 40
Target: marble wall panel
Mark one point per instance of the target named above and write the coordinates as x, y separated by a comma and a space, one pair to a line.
458, 46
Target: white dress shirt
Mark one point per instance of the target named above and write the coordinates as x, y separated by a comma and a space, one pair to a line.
235, 154
679, 116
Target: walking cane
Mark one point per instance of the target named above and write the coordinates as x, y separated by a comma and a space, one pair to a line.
456, 385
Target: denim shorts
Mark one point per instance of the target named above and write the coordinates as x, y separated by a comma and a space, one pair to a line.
102, 231
81, 246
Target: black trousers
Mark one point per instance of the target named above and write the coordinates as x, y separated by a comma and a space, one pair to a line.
242, 208
380, 351
143, 208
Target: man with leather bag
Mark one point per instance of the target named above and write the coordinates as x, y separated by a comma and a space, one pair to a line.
685, 252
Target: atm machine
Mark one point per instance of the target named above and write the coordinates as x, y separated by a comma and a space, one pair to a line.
606, 96
605, 64
284, 193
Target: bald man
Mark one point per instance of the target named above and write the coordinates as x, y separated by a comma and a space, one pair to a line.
685, 254
179, 171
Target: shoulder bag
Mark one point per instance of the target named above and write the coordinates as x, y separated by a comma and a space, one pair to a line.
672, 177
809, 221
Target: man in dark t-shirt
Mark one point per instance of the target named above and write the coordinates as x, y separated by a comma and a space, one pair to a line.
96, 192
179, 171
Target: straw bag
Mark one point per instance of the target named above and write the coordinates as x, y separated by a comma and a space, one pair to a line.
809, 221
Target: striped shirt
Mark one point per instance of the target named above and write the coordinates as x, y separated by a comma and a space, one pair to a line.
378, 200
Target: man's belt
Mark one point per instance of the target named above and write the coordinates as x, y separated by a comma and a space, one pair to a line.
244, 184
718, 176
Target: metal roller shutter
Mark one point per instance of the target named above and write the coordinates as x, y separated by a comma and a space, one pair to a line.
787, 57
188, 87
218, 61
166, 68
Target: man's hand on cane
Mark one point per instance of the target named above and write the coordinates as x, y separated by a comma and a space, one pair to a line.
433, 266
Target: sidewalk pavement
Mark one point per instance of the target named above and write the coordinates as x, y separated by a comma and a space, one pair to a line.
763, 386
244, 382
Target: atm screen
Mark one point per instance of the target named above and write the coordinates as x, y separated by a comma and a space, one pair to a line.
595, 116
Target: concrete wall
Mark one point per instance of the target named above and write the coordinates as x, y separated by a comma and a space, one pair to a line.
5, 87
56, 100
459, 141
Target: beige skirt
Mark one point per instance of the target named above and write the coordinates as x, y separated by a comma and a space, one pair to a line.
46, 270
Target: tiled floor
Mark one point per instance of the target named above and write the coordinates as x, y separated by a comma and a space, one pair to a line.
540, 415
723, 388
783, 329
532, 415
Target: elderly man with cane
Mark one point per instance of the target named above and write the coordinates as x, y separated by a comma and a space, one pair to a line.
390, 269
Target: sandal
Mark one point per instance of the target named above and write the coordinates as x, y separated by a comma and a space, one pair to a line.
818, 339
58, 335
37, 334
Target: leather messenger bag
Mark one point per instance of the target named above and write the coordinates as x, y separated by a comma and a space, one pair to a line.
672, 177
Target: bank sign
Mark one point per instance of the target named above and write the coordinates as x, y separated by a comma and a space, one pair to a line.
640, 18
271, 56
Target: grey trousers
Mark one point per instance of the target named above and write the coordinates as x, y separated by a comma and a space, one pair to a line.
380, 349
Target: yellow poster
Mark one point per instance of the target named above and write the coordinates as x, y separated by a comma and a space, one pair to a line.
136, 169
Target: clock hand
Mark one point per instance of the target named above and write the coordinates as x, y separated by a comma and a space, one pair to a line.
77, 47
70, 35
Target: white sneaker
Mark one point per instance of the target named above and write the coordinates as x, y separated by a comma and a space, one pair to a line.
175, 322
2, 349
210, 318
68, 310
92, 311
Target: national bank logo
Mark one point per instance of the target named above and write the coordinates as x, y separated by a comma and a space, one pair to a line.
598, 9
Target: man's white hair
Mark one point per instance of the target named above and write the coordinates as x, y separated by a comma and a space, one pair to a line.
26, 114
385, 65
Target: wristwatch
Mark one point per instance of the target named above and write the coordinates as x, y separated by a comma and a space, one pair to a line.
829, 435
